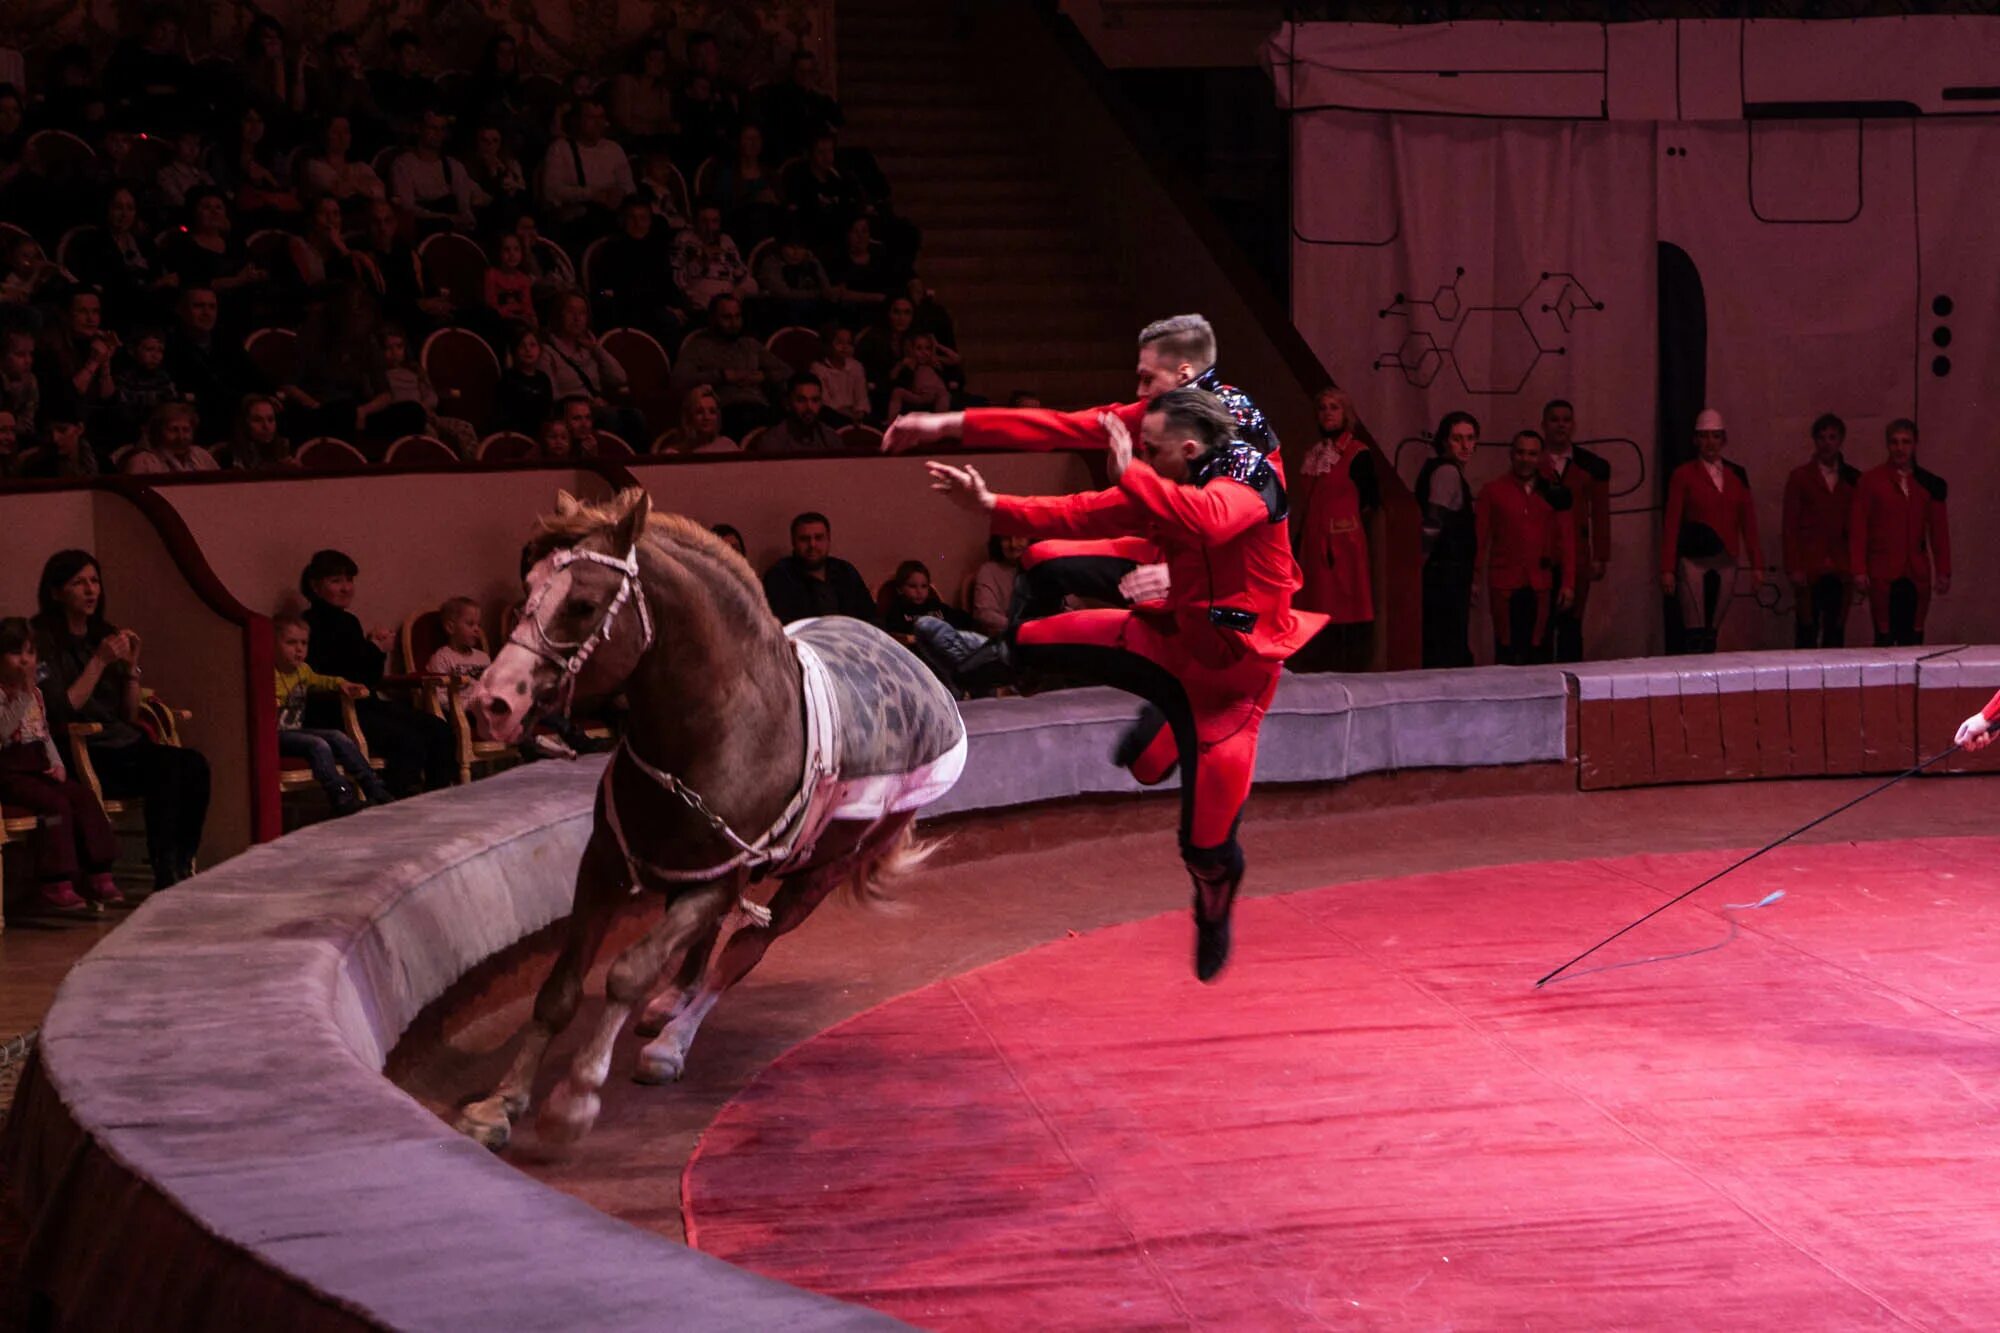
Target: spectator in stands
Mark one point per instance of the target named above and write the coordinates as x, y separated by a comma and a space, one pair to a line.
206, 254
20, 391
330, 752
910, 597
733, 537
1711, 521
330, 171
661, 187
76, 354
580, 424
460, 654
95, 676
184, 173
247, 172
1527, 547
578, 365
751, 196
403, 91
1819, 505
927, 380
993, 585
498, 175
341, 89
11, 450
322, 255
31, 274
510, 292
492, 96
151, 74
116, 163
929, 316
863, 280
74, 847
552, 442
632, 276
405, 402
743, 372
824, 199
1336, 489
707, 263
550, 278
525, 397
65, 453
435, 190
843, 383
168, 445
273, 81
642, 98
794, 284
1899, 545
1450, 541
417, 748
213, 369
794, 109
885, 346
395, 274
13, 132
800, 428
585, 175
257, 445
701, 425
336, 361
140, 383
811, 581
118, 258
71, 97
704, 104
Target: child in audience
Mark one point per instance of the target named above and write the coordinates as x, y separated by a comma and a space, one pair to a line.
843, 384
185, 174
75, 842
65, 453
405, 403
526, 397
918, 384
552, 441
327, 750
30, 273
20, 391
141, 382
461, 654
510, 291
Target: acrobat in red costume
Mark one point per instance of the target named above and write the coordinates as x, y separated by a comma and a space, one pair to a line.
1976, 732
1208, 657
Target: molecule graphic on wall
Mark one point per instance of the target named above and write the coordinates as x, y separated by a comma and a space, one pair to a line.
1492, 349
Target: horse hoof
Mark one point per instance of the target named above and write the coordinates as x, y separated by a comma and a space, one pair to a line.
485, 1126
659, 1067
566, 1117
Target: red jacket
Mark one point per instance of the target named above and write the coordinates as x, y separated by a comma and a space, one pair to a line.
1041, 429
1898, 536
1328, 533
1816, 521
1693, 501
1588, 480
1521, 536
1221, 549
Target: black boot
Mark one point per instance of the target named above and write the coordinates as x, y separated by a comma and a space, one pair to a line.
1137, 737
978, 662
1216, 872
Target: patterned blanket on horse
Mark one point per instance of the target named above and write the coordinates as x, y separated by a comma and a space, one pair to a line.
890, 733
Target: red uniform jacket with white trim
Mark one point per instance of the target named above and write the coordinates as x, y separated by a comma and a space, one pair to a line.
1728, 514
1522, 535
1816, 529
1897, 536
1221, 546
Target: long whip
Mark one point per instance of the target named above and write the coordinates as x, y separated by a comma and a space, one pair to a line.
1876, 790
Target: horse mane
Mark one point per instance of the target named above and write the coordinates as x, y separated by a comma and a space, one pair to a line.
554, 532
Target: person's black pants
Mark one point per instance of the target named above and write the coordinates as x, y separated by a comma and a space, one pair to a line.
1042, 586
418, 751
173, 782
1903, 603
1822, 621
1447, 609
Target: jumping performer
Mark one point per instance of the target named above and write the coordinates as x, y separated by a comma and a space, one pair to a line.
1207, 656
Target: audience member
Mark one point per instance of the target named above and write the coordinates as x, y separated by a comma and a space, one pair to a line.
909, 596
1819, 506
215, 371
184, 173
336, 761
1711, 522
71, 99
168, 444
811, 581
632, 275
585, 175
257, 444
247, 173
1586, 476
404, 402
743, 372
31, 274
525, 397
417, 749
151, 73
140, 384
794, 285
12, 447
578, 365
642, 97
322, 255
1900, 543
707, 263
1336, 490
794, 109
329, 170
497, 174
432, 188
75, 357
492, 95
395, 273
704, 104
992, 599
661, 187
926, 380
928, 315
750, 196
336, 360
1527, 546
402, 90
1450, 541
579, 424
800, 429
272, 80
510, 292
74, 847
460, 654
701, 425
552, 442
843, 382
862, 278
20, 391
824, 199
119, 259
341, 89
206, 254
94, 676
733, 537
66, 453
885, 345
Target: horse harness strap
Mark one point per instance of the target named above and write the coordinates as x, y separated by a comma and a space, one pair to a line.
569, 658
790, 838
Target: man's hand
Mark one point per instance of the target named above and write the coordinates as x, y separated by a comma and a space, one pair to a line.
1118, 442
963, 486
1975, 733
1667, 584
1565, 599
1147, 583
916, 430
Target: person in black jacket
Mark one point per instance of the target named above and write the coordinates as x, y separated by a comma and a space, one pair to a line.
417, 749
812, 582
1450, 541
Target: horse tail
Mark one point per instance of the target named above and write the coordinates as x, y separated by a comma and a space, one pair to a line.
873, 879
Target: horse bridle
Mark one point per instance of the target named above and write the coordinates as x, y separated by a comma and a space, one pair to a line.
570, 658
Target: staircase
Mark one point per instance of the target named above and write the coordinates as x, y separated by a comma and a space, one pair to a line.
1035, 306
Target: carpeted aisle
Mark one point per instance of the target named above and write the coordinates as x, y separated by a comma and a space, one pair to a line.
1375, 1120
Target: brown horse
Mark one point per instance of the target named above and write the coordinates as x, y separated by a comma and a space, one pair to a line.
762, 766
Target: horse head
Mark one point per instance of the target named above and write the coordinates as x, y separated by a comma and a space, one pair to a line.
585, 626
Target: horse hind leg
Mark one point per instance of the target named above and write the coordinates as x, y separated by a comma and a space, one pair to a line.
573, 1104
671, 999
490, 1120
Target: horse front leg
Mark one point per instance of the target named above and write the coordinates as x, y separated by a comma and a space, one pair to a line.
670, 999
600, 882
573, 1104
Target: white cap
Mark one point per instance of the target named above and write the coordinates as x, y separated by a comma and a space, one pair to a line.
1710, 419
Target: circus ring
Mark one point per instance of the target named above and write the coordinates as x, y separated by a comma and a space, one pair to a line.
207, 1137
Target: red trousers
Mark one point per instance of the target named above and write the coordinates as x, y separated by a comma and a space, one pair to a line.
75, 840
1213, 692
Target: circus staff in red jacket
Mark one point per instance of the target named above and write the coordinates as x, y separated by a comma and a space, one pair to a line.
1337, 487
1711, 522
1899, 541
1208, 656
1527, 546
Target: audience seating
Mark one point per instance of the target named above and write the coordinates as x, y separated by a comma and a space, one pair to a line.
614, 446
14, 823
271, 249
586, 263
704, 176
749, 441
861, 437
454, 265
795, 345
506, 446
327, 452
275, 353
57, 152
421, 451
296, 775
555, 261
464, 371
9, 234
664, 442
69, 238
757, 253
683, 202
